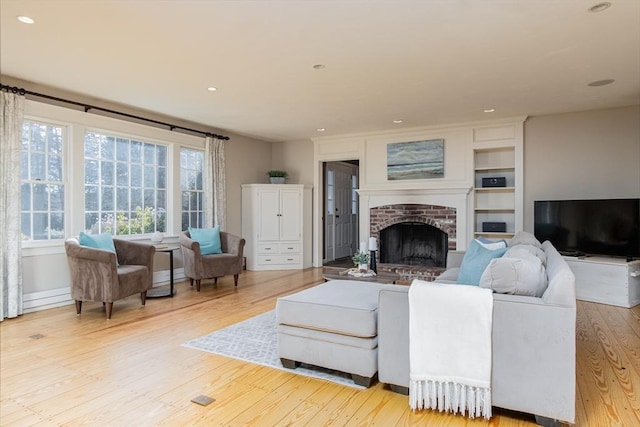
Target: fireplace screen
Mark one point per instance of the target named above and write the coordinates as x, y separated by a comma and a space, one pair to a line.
413, 243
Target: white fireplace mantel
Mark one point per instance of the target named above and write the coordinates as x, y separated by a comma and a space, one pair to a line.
457, 197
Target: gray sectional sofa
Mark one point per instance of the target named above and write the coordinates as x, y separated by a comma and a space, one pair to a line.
533, 347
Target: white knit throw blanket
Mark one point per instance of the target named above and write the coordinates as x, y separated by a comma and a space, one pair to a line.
450, 348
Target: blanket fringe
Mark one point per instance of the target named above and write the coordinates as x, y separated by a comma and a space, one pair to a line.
450, 397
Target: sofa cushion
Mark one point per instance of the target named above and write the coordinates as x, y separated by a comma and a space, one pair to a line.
518, 276
475, 260
450, 275
209, 239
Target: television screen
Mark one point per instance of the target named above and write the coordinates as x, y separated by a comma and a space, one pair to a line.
599, 227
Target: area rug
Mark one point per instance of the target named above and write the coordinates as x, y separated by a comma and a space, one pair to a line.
255, 340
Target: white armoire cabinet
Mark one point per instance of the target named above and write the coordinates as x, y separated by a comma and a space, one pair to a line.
276, 223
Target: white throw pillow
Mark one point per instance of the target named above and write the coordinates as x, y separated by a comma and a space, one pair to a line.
524, 238
516, 276
520, 251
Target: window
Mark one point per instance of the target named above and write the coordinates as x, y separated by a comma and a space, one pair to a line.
191, 163
42, 189
125, 185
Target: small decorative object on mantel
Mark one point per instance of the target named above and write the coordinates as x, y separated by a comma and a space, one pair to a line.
277, 176
361, 260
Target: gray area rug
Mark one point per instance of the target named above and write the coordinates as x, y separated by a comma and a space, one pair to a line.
255, 340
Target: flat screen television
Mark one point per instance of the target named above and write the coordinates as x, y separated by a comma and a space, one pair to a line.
590, 227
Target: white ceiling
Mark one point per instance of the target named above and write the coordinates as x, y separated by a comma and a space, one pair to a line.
425, 62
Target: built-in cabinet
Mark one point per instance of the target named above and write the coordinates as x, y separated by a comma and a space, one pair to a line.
497, 190
276, 224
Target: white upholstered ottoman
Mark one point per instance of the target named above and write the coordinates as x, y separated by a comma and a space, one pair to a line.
333, 325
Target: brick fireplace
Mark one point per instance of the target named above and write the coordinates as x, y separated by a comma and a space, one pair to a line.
413, 238
444, 209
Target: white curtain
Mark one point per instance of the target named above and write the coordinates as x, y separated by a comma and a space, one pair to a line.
12, 106
214, 183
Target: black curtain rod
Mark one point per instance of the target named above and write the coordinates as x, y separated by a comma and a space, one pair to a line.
87, 108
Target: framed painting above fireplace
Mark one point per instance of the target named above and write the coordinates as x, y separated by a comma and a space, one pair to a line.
415, 160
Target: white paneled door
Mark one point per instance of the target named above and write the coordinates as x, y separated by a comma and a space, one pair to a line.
339, 219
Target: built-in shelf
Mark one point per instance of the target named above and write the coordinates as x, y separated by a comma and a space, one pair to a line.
496, 204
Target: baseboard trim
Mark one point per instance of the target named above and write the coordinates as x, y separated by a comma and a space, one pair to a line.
58, 297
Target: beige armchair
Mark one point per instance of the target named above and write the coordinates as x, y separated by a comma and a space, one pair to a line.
198, 267
96, 277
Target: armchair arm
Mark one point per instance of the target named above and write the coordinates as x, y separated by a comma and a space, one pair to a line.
188, 243
232, 244
134, 253
75, 250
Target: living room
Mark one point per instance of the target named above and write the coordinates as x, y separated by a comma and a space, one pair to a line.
586, 153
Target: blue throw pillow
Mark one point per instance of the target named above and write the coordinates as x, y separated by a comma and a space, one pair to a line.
209, 239
98, 241
475, 261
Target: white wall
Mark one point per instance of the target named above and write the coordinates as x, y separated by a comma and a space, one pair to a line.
583, 155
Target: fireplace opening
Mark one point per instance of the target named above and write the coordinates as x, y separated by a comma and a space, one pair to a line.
413, 243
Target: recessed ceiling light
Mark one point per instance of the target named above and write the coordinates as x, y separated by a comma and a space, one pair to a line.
599, 7
319, 66
398, 121
321, 129
601, 82
212, 89
25, 19
489, 110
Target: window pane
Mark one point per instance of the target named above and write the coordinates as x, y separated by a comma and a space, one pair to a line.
185, 221
57, 226
107, 147
25, 197
90, 198
136, 198
55, 168
40, 197
122, 172
122, 196
56, 195
136, 151
91, 171
199, 181
38, 137
106, 173
91, 222
91, 145
38, 166
162, 178
40, 226
54, 140
161, 199
149, 198
161, 153
185, 200
24, 160
136, 176
122, 149
149, 154
26, 226
149, 176
106, 198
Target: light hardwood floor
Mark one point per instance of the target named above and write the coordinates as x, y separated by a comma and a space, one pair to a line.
61, 369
